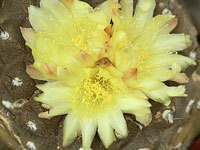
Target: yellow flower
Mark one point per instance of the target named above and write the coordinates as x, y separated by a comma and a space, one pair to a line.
96, 71
68, 42
65, 36
97, 102
142, 44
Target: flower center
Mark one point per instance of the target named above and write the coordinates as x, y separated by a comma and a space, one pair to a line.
95, 90
92, 95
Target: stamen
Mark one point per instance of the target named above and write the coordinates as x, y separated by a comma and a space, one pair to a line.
92, 95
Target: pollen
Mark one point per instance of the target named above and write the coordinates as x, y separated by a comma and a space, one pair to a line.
144, 54
92, 96
79, 39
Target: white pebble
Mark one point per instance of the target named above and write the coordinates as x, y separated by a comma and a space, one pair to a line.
166, 11
139, 125
144, 149
178, 146
31, 145
85, 148
179, 129
17, 81
168, 116
7, 104
31, 125
193, 55
4, 35
189, 106
198, 104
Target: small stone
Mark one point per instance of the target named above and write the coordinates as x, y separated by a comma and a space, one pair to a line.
168, 116
31, 145
179, 129
158, 114
17, 82
139, 125
178, 146
85, 149
31, 125
7, 104
166, 11
144, 149
198, 105
189, 106
193, 55
4, 35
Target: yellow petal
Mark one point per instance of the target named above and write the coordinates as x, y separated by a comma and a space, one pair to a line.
148, 35
148, 84
105, 130
47, 69
138, 107
118, 122
145, 117
73, 74
29, 35
144, 12
88, 130
127, 7
80, 8
57, 9
34, 73
41, 20
67, 3
46, 45
56, 111
159, 95
183, 61
70, 129
100, 18
176, 91
171, 43
106, 8
180, 78
123, 61
167, 73
54, 93
161, 24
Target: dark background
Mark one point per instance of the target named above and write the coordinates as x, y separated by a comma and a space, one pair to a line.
194, 8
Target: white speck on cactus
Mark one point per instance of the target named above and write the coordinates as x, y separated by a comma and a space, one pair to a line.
31, 125
166, 11
178, 146
168, 116
144, 149
179, 129
85, 148
193, 55
31, 145
17, 81
198, 105
4, 35
7, 104
139, 125
189, 106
